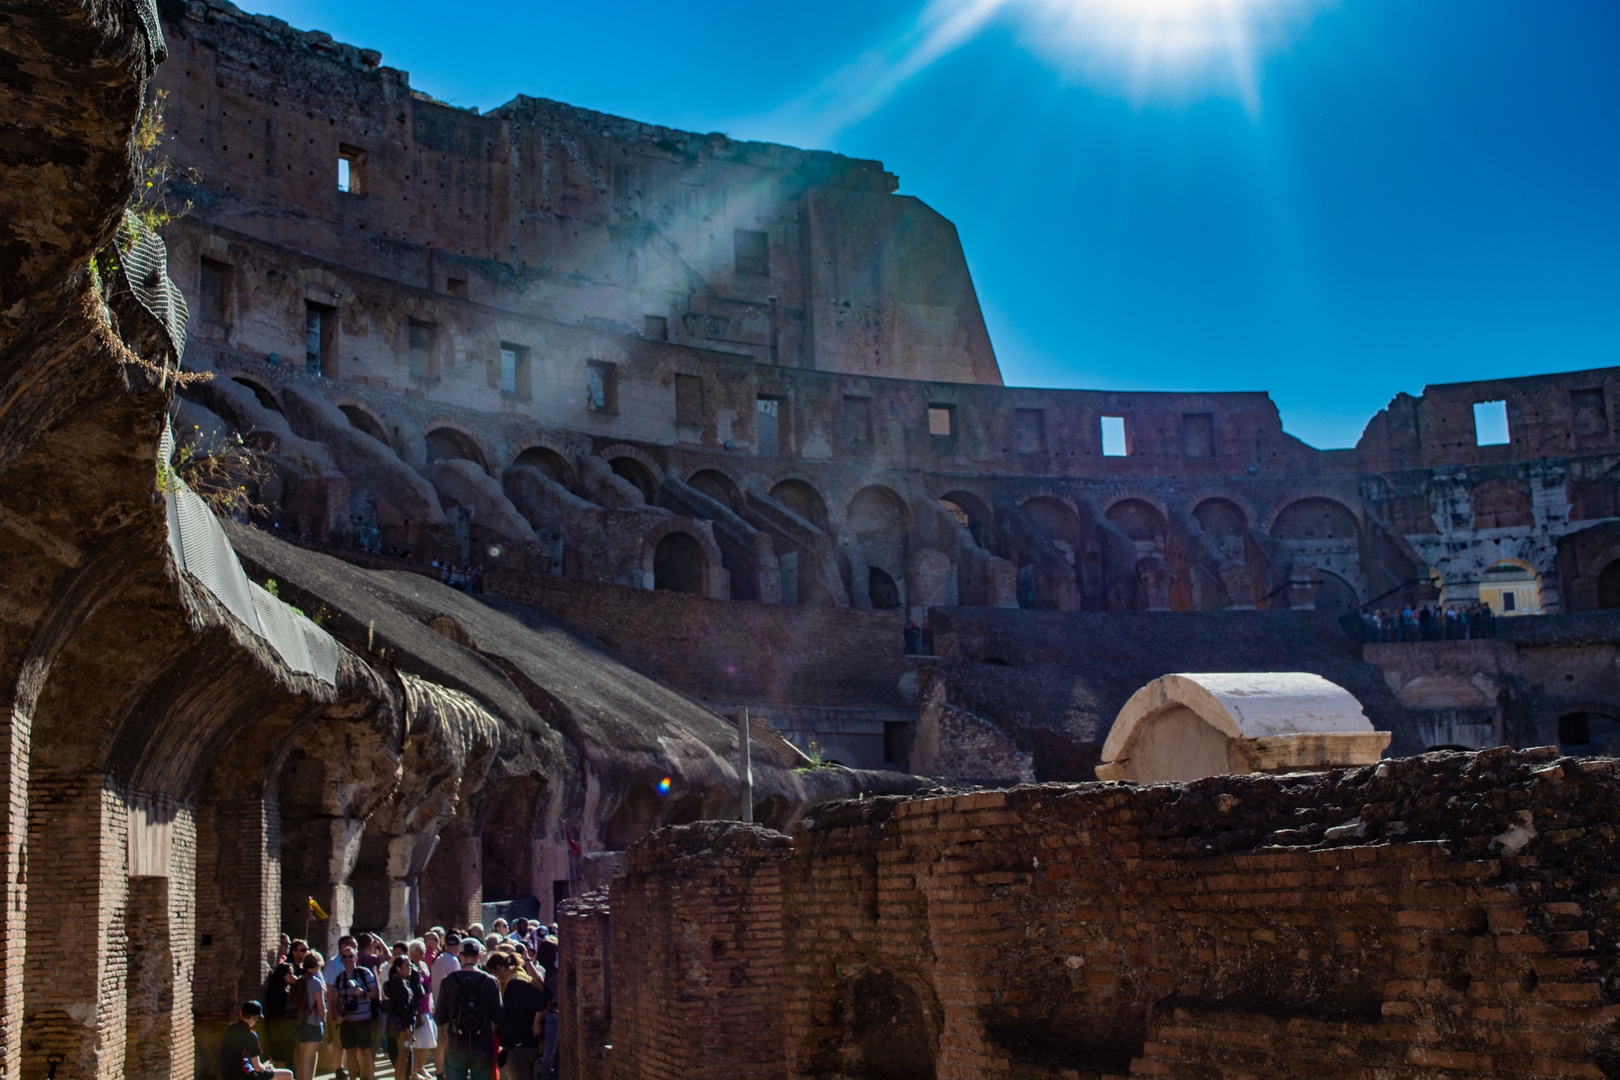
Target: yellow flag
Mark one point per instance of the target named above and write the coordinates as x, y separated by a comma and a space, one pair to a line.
315, 910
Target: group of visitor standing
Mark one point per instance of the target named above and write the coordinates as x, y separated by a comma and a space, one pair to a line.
465, 1003
1451, 623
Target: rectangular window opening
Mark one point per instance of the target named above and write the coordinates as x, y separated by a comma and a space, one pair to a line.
514, 375
1491, 423
214, 286
320, 339
1114, 443
456, 288
601, 386
351, 170
689, 400
655, 328
423, 351
940, 420
768, 427
753, 253
1589, 416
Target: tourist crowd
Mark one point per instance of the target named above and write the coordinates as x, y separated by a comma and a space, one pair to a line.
455, 1005
1451, 623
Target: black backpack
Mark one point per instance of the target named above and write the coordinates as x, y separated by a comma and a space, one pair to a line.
470, 1019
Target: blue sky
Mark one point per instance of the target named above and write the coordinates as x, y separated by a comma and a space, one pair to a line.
1330, 201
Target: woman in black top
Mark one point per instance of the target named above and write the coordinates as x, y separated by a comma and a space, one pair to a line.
278, 1020
402, 1000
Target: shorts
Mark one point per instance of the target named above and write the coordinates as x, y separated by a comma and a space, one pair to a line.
262, 1074
357, 1034
311, 1033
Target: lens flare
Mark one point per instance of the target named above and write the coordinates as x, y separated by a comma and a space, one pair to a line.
663, 786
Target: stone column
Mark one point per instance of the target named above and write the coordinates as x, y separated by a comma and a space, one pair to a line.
318, 855
239, 909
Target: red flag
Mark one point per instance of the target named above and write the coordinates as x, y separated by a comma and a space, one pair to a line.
573, 845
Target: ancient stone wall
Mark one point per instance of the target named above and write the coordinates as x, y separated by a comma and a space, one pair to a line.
697, 948
1442, 916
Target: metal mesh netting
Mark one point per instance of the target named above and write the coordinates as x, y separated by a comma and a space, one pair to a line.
201, 549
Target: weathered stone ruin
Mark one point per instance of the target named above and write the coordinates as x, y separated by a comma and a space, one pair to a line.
715, 421
1450, 915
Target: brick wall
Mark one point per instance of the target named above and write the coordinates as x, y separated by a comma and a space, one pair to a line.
697, 954
1443, 916
1400, 916
796, 655
582, 1003
14, 755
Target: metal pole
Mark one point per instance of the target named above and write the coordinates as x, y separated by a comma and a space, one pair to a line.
745, 766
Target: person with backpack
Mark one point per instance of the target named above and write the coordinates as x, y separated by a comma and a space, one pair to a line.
468, 1010
308, 1002
353, 992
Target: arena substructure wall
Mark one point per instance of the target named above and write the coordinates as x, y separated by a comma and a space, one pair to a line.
1449, 915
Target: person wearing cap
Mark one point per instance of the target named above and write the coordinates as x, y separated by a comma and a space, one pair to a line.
239, 1049
468, 1012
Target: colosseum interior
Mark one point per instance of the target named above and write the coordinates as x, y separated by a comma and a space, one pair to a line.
713, 440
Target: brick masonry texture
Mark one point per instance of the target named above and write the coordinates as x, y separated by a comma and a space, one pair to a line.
1451, 915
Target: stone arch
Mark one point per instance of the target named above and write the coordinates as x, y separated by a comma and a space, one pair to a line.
362, 420
448, 440
1058, 519
887, 1025
718, 486
1221, 518
971, 512
549, 461
1315, 517
632, 470
698, 572
1608, 586
260, 391
1589, 729
323, 287
1141, 521
1511, 587
801, 497
878, 520
1334, 596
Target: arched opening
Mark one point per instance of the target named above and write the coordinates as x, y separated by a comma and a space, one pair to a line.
1609, 586
884, 592
1510, 588
1587, 733
638, 474
719, 487
1139, 521
970, 513
803, 500
679, 564
1315, 519
1221, 520
1054, 518
887, 1032
549, 462
361, 420
266, 398
448, 444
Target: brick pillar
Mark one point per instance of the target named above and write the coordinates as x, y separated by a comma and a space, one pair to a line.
697, 947
238, 910
14, 747
77, 959
582, 1002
